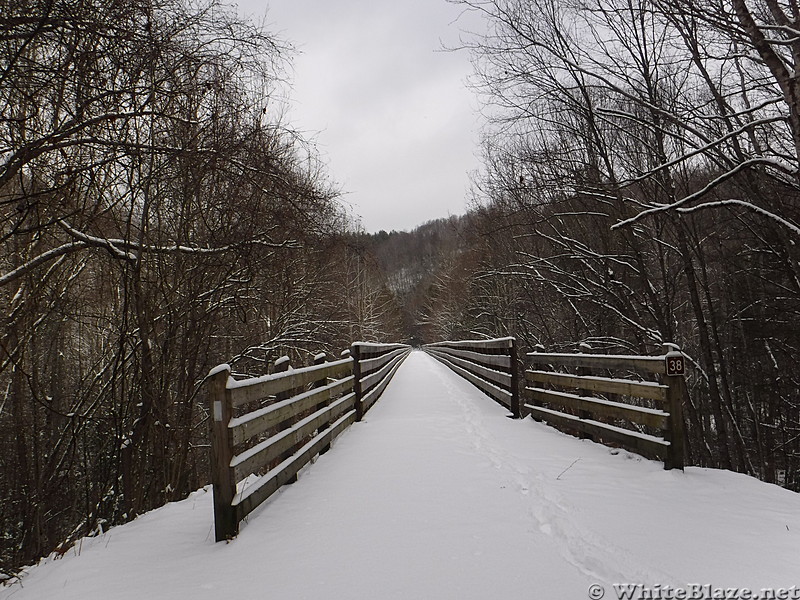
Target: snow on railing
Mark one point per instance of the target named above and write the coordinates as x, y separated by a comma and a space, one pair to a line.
490, 365
652, 426
287, 419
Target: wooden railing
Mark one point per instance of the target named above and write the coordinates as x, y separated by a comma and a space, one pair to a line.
274, 425
658, 404
490, 365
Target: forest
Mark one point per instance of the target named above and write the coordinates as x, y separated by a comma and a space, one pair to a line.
156, 219
640, 185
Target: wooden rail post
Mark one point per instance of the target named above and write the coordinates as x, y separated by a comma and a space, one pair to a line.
516, 397
355, 352
226, 525
676, 390
582, 372
282, 365
319, 359
526, 396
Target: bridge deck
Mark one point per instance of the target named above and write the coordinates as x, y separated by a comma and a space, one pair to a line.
437, 494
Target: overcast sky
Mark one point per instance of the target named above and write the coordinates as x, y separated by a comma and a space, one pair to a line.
388, 108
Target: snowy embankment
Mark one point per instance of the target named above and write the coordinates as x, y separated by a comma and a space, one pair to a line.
437, 494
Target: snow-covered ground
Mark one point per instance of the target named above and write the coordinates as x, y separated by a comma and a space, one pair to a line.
437, 494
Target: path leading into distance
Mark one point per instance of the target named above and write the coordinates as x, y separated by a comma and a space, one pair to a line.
438, 494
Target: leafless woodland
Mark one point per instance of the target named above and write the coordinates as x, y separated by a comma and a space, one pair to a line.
640, 186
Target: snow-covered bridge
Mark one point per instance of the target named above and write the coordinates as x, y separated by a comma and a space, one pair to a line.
437, 494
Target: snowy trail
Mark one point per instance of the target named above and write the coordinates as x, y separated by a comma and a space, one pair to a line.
438, 494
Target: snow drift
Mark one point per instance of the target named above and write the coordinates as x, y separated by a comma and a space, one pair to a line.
437, 494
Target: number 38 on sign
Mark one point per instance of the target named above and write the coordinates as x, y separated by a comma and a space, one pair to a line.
675, 364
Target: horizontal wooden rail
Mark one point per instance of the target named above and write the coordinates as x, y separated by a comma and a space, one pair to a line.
648, 364
549, 403
604, 408
491, 344
258, 388
375, 365
490, 365
640, 389
372, 395
644, 444
258, 421
299, 413
375, 369
489, 360
262, 454
492, 375
499, 394
249, 499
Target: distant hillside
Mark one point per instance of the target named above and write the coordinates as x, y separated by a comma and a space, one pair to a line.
411, 262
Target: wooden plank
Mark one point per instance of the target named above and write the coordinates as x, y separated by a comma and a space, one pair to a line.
262, 454
257, 388
485, 372
247, 501
499, 394
488, 360
371, 348
644, 389
649, 364
372, 364
482, 344
646, 445
258, 421
282, 365
605, 408
373, 379
372, 396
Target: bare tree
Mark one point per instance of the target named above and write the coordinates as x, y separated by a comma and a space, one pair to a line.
156, 218
612, 126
